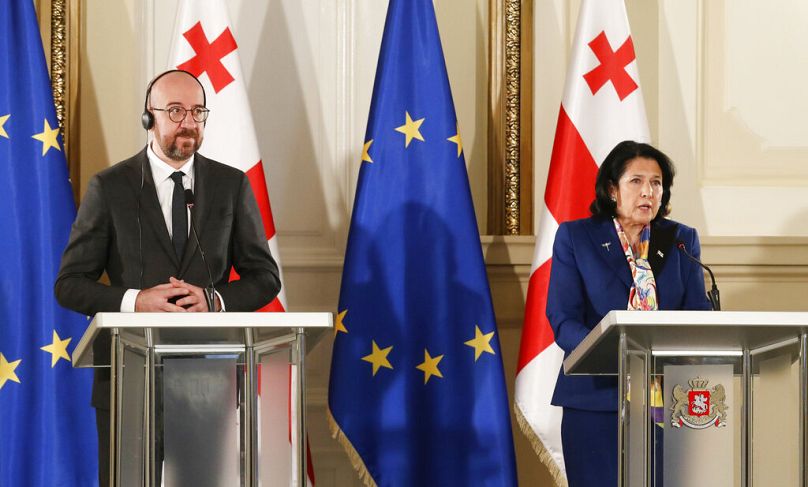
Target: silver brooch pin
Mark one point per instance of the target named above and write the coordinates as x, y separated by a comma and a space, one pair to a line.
660, 254
606, 245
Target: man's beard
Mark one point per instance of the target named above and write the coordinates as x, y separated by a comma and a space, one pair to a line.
181, 153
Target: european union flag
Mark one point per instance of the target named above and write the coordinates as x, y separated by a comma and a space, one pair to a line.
47, 427
417, 393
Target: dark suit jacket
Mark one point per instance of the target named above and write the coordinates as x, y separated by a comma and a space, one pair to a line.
120, 230
588, 279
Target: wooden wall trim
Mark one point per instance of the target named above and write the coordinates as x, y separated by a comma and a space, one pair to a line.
517, 250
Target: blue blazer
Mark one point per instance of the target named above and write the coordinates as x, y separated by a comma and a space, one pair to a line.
590, 277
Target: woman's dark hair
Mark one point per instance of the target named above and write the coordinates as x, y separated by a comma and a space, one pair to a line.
613, 168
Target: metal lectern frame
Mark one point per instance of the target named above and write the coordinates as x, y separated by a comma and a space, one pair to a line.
607, 348
249, 334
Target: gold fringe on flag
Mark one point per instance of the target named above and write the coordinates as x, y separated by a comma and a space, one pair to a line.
538, 447
356, 460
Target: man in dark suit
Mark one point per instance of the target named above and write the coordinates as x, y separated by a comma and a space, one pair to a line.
133, 224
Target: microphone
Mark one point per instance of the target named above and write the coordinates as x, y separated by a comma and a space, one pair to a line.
712, 294
210, 291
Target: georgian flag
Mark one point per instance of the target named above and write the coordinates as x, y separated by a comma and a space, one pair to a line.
204, 44
602, 106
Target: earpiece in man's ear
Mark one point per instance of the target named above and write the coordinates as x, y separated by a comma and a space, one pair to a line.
147, 119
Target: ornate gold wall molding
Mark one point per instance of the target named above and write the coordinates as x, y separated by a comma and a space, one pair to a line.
513, 64
59, 59
65, 39
510, 202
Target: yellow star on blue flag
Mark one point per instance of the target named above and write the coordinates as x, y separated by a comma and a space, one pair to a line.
49, 137
7, 370
57, 348
3, 120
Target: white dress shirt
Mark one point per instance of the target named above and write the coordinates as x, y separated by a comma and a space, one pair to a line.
161, 173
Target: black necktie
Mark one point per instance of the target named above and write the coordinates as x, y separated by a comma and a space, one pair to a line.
179, 216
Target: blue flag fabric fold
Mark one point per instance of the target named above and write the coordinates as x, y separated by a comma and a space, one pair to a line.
417, 392
47, 427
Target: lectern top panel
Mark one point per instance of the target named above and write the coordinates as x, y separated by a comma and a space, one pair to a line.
213, 320
196, 328
681, 330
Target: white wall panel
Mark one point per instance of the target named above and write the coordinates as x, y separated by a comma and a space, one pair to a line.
754, 104
731, 114
109, 92
552, 37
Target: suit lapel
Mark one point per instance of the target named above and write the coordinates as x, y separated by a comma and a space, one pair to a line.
662, 237
150, 207
607, 244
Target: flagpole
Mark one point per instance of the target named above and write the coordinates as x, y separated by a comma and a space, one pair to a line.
251, 412
300, 404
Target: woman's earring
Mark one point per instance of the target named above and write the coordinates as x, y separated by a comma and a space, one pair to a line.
614, 198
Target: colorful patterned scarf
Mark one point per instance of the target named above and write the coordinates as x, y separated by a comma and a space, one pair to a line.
642, 295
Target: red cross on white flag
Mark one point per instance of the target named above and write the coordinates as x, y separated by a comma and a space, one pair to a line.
208, 55
602, 106
204, 44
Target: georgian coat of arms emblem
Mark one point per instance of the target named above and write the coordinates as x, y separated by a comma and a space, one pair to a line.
699, 407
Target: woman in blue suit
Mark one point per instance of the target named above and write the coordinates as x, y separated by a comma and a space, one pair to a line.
624, 256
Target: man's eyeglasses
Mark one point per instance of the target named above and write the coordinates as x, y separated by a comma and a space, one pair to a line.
178, 114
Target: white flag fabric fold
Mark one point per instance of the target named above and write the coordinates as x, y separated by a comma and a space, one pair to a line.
205, 45
602, 106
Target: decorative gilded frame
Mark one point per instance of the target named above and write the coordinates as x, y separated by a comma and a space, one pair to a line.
65, 38
510, 128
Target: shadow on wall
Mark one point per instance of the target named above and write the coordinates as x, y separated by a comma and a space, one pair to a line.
797, 224
96, 72
686, 196
477, 158
291, 128
467, 66
293, 142
93, 154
